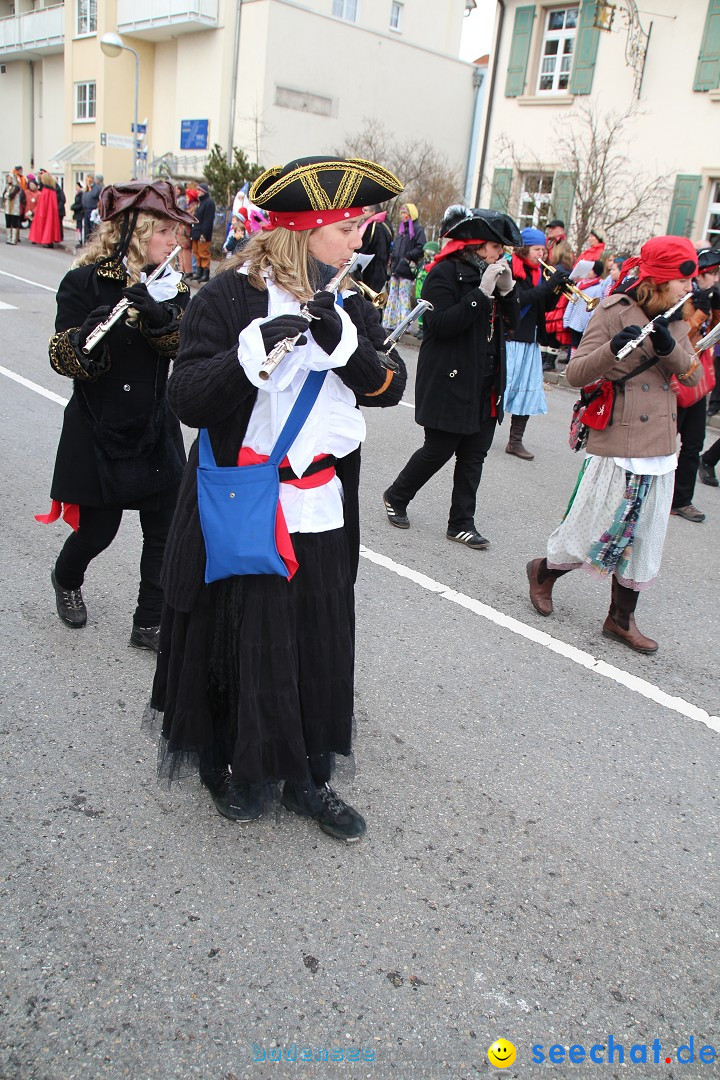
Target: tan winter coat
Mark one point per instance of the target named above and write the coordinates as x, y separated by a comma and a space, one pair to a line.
644, 422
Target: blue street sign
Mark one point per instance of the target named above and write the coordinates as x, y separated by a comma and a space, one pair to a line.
141, 129
194, 134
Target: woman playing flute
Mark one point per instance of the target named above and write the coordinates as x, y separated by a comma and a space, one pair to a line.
255, 673
616, 522
120, 447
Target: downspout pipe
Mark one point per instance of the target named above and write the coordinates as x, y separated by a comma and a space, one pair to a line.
31, 65
490, 100
233, 89
478, 81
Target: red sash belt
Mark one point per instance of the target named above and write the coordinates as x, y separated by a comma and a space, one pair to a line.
248, 456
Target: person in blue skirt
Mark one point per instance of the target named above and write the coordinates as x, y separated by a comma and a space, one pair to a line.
524, 393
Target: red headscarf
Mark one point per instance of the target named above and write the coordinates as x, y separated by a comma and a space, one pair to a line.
664, 258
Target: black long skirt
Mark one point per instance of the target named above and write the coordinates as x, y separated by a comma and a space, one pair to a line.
259, 675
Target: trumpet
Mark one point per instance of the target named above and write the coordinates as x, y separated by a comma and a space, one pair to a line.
122, 306
649, 327
377, 299
280, 351
571, 291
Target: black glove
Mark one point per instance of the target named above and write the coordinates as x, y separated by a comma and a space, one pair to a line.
152, 314
281, 327
661, 339
702, 300
96, 316
326, 325
622, 338
558, 277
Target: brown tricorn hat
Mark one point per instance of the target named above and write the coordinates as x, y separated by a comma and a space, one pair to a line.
156, 198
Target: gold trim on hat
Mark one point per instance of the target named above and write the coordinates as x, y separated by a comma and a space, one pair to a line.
354, 170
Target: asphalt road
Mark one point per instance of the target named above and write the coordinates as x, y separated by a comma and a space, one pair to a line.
542, 847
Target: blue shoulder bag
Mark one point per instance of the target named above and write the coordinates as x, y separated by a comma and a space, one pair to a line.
238, 504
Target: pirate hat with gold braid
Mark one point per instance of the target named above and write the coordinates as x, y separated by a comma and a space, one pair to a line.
313, 191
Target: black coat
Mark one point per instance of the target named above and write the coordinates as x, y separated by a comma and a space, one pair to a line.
456, 373
60, 194
407, 249
535, 302
205, 219
125, 388
77, 209
208, 388
377, 239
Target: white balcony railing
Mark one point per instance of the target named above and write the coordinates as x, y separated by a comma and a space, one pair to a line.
41, 32
158, 20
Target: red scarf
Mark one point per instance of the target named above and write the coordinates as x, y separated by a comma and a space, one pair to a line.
519, 266
450, 248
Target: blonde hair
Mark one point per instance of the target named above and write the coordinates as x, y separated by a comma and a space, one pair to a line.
281, 253
105, 239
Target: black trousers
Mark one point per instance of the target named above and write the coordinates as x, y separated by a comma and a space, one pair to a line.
470, 452
98, 528
691, 425
712, 455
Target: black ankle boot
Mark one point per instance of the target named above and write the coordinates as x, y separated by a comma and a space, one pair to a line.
70, 605
322, 804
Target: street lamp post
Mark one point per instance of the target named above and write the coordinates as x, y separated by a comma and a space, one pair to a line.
112, 45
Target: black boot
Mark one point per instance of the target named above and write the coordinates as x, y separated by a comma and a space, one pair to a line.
620, 623
197, 273
205, 274
515, 443
322, 804
70, 605
145, 637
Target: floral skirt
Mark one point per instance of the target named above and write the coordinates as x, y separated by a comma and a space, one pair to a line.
615, 524
401, 297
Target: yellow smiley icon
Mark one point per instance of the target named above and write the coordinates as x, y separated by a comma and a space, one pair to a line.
501, 1054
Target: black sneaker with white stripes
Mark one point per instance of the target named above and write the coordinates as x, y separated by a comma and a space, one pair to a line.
397, 514
470, 538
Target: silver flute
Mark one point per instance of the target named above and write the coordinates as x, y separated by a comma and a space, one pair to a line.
122, 305
420, 308
649, 327
280, 351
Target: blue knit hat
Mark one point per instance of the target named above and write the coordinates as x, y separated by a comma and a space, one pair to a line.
533, 236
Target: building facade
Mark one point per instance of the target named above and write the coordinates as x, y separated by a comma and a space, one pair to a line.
555, 61
276, 78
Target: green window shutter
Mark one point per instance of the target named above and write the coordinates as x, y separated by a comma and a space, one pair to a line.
586, 46
563, 194
682, 211
707, 72
500, 193
519, 51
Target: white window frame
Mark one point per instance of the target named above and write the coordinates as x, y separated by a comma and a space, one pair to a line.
712, 235
553, 63
396, 16
86, 18
88, 103
532, 191
345, 9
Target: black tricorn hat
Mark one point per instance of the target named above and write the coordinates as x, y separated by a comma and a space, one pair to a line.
323, 183
708, 258
461, 223
156, 198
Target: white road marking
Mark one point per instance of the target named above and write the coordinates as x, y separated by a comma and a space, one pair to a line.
531, 633
34, 386
7, 307
540, 637
50, 288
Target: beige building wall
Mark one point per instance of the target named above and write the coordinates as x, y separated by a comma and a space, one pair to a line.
306, 81
673, 133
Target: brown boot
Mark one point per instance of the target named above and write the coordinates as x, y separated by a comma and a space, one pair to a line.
620, 623
515, 443
541, 581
